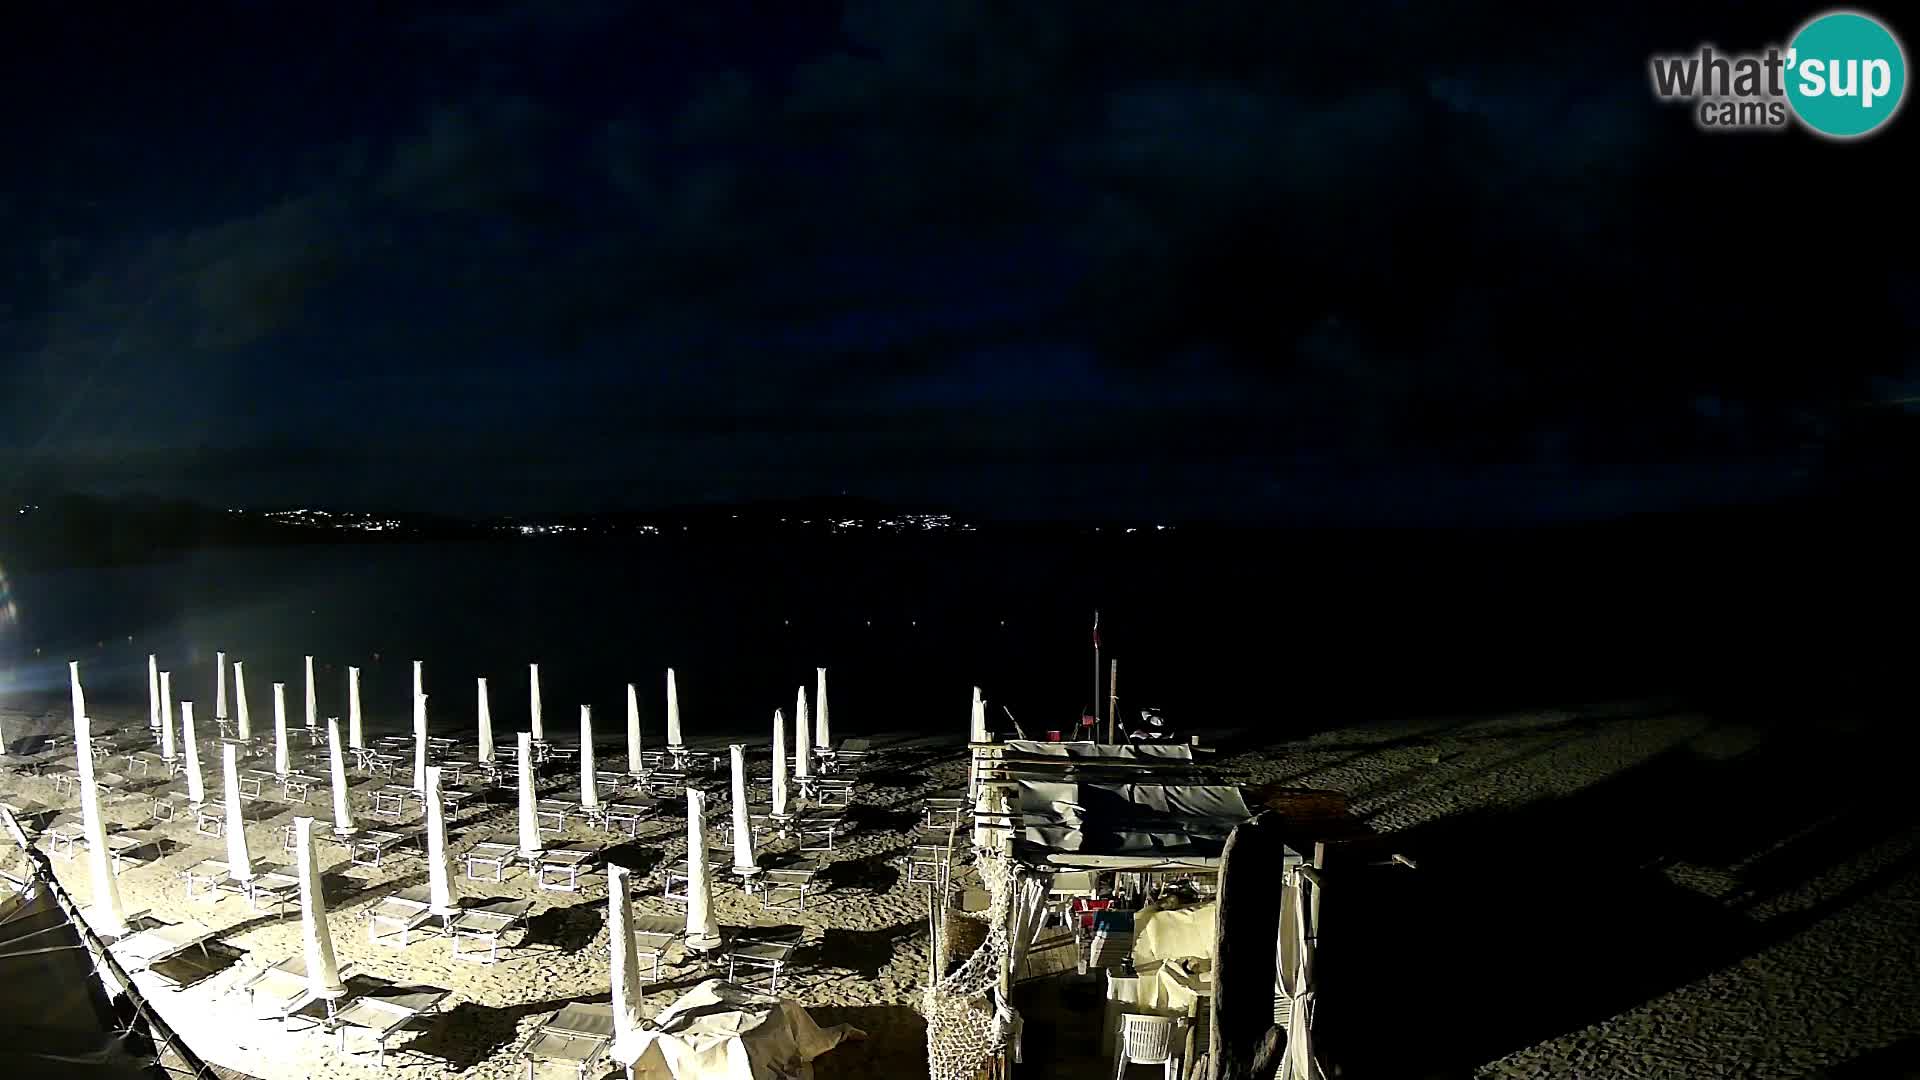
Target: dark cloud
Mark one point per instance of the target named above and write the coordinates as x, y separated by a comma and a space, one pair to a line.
944, 233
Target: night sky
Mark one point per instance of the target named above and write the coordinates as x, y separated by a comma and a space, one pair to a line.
1236, 259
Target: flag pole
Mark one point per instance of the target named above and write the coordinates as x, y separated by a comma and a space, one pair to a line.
1095, 705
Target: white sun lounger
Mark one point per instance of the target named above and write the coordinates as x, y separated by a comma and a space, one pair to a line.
140, 951
383, 1012
490, 853
652, 934
578, 1036
488, 923
560, 868
402, 912
283, 988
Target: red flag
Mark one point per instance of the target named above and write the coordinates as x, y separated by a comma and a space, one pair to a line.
1096, 629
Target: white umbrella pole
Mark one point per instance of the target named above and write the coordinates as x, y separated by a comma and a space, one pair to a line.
802, 740
743, 860
703, 928
196, 780
220, 686
243, 721
280, 729
486, 725
337, 760
153, 691
589, 794
323, 971
239, 860
822, 731
106, 915
533, 703
779, 765
166, 716
354, 736
420, 743
634, 760
439, 867
313, 701
529, 820
673, 712
627, 987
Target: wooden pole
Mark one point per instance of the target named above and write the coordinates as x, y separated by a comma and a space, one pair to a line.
1113, 697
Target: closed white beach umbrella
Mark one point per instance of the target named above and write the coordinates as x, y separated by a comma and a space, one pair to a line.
802, 739
627, 991
323, 971
779, 764
107, 916
1300, 1061
313, 700
420, 743
589, 793
242, 719
419, 677
529, 820
439, 865
533, 703
337, 760
633, 731
673, 713
196, 780
239, 861
743, 860
153, 691
279, 729
822, 731
355, 738
486, 725
220, 686
166, 716
79, 698
703, 929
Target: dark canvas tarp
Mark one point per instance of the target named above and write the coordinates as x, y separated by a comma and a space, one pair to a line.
1125, 826
56, 1019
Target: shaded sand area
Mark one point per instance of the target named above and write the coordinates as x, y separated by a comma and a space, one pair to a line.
1629, 891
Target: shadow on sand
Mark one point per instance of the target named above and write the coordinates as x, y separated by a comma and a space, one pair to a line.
895, 1046
568, 929
1530, 922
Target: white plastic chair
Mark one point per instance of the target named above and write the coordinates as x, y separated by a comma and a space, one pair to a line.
1147, 1040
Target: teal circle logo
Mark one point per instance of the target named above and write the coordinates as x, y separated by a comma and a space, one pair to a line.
1846, 74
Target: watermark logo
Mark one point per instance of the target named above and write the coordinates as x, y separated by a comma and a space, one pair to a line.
1842, 75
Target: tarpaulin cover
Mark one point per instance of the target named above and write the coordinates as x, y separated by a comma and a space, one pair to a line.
720, 1031
56, 1017
1115, 751
1123, 825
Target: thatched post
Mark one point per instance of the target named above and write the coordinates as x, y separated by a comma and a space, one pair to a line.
1246, 1043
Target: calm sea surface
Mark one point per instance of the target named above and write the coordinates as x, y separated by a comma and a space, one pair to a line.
1250, 629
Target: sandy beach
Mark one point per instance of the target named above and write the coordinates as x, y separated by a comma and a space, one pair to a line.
1660, 893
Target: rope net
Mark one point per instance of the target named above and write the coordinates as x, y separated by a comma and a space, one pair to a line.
964, 1029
